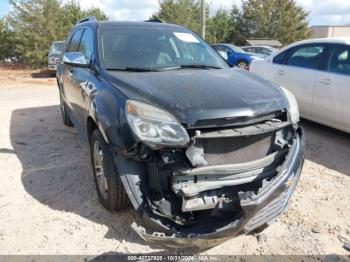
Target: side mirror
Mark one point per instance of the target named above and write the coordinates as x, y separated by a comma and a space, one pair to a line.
76, 59
223, 54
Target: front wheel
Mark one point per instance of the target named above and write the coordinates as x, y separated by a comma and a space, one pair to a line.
243, 64
110, 189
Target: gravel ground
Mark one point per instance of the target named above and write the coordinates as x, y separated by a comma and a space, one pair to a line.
48, 203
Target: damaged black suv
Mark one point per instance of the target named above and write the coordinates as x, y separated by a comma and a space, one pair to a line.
202, 151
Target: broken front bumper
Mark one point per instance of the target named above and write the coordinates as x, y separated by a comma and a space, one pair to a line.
257, 209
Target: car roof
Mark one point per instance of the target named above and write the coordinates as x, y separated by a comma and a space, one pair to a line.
225, 44
336, 40
105, 24
263, 46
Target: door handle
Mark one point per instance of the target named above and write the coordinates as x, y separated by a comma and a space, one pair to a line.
326, 81
280, 72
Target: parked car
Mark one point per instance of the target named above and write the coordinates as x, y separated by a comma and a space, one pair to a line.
204, 152
264, 51
317, 72
55, 52
235, 56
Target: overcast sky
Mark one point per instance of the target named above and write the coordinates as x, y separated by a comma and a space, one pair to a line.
322, 12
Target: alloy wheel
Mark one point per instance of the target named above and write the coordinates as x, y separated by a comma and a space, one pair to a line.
99, 171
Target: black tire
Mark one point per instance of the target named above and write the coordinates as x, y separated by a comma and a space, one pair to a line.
243, 64
64, 112
110, 189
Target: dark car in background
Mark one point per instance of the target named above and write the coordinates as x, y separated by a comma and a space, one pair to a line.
235, 56
203, 152
54, 55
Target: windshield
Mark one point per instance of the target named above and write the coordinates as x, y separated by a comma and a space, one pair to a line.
155, 49
57, 47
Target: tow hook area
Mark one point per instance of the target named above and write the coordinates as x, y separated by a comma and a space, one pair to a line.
255, 214
175, 241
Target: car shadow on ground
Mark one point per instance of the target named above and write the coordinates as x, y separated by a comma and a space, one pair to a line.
327, 147
44, 73
57, 172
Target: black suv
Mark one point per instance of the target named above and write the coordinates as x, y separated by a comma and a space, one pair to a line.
202, 151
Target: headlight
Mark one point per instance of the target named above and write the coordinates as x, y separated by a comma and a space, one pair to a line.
293, 106
153, 126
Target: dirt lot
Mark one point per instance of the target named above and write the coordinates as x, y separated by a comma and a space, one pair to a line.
48, 203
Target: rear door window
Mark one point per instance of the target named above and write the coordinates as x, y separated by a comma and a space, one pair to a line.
250, 49
253, 50
306, 56
339, 59
264, 51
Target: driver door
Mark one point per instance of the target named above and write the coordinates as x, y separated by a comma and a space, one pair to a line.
81, 87
67, 72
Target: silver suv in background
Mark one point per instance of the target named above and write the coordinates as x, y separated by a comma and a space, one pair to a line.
55, 52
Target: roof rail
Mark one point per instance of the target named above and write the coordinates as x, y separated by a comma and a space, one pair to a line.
87, 19
154, 20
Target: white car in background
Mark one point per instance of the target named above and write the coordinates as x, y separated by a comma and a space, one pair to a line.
317, 72
264, 50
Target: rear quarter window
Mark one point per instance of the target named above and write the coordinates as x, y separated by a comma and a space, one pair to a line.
339, 60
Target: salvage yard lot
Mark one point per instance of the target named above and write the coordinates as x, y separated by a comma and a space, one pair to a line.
48, 203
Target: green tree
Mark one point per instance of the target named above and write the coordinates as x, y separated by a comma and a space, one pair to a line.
234, 34
279, 19
37, 23
96, 12
181, 12
7, 40
218, 26
72, 13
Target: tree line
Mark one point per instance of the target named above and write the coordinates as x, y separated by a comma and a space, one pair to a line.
283, 20
29, 29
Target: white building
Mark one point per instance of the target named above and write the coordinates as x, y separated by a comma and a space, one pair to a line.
329, 31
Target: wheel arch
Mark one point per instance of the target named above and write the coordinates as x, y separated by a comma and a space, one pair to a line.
242, 60
92, 125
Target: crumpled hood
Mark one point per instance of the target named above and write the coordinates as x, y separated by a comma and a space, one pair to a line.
193, 95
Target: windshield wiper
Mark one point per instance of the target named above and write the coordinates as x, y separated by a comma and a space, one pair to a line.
133, 69
200, 66
148, 69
